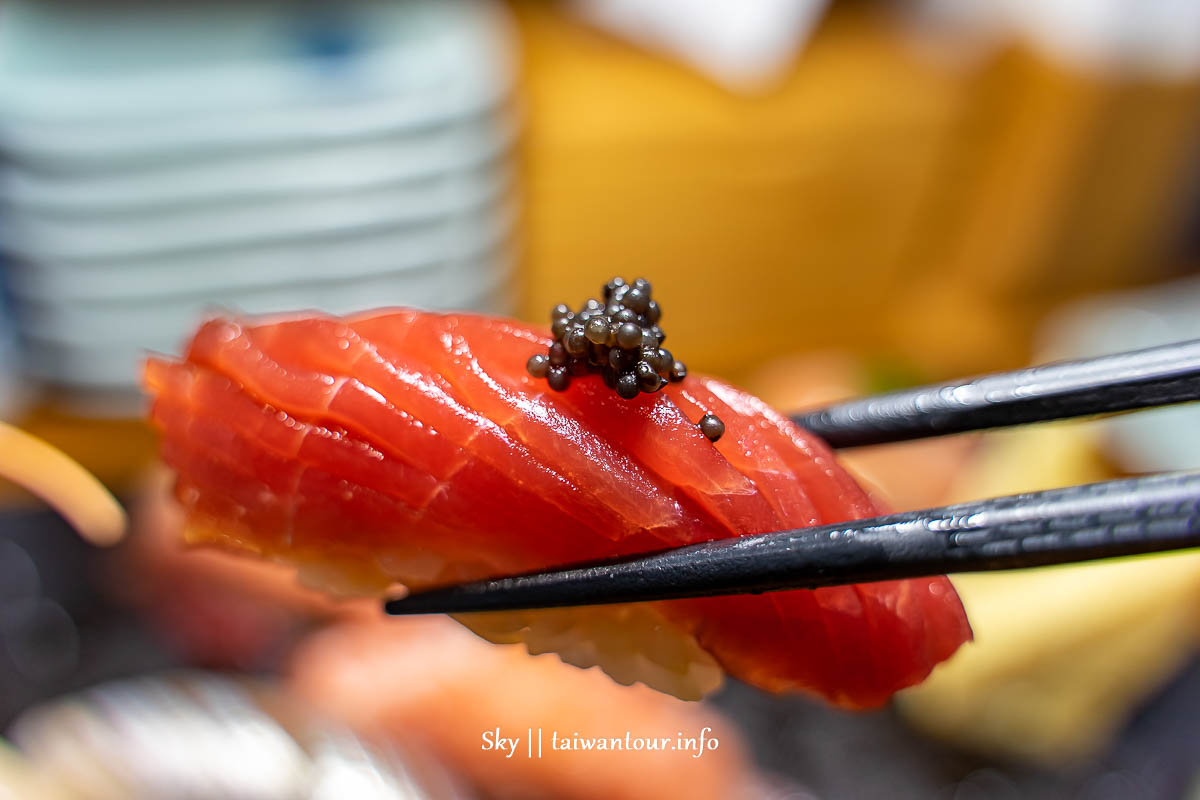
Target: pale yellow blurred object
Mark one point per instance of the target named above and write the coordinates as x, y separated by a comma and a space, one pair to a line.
880, 199
65, 485
1061, 655
116, 450
20, 780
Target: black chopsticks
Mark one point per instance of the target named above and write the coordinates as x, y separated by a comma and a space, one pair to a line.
1080, 523
1117, 518
1156, 376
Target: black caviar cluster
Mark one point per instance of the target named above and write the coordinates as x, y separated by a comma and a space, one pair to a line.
619, 338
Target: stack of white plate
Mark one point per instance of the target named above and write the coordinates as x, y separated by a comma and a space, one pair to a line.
166, 160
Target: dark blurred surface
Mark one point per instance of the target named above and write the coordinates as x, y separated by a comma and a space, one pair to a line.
59, 633
59, 630
875, 755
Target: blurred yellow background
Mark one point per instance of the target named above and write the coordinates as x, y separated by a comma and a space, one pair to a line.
882, 198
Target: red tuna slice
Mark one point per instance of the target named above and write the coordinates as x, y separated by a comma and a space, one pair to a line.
316, 486
221, 444
375, 369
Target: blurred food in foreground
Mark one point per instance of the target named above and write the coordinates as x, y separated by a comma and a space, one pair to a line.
203, 736
424, 680
433, 681
20, 780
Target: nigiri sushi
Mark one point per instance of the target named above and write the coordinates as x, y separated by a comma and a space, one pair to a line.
411, 447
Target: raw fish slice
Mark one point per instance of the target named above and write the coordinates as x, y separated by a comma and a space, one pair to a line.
225, 410
293, 510
226, 348
329, 499
418, 413
415, 388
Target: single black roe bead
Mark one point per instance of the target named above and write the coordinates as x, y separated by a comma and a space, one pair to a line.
558, 354
712, 427
659, 358
678, 371
597, 330
559, 327
647, 378
538, 365
636, 299
643, 285
627, 385
649, 340
575, 341
629, 335
653, 312
558, 378
560, 310
612, 286
658, 333
623, 315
